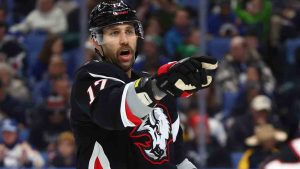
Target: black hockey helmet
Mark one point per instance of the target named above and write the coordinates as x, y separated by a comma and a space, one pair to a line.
112, 12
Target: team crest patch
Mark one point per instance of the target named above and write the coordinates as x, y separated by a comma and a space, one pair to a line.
156, 128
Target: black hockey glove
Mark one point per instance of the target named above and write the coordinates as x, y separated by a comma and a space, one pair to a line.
178, 79
187, 76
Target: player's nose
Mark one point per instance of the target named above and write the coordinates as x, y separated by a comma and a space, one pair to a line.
123, 39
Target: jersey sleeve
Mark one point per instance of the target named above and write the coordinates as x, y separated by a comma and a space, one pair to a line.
103, 96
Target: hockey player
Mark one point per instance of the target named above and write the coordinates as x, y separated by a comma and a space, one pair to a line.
122, 119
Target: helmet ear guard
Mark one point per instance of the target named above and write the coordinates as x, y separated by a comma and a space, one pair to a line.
98, 37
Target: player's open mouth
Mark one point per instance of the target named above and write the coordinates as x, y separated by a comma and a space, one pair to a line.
125, 55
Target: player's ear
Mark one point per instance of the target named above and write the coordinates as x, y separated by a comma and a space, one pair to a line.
94, 41
98, 48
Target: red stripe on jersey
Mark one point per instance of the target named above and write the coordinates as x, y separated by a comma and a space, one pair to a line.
135, 120
185, 94
165, 68
98, 164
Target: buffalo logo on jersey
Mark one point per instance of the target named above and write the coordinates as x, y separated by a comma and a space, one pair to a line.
157, 129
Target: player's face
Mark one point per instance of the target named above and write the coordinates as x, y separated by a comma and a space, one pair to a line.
119, 45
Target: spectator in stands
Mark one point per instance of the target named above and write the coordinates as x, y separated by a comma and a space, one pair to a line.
243, 126
253, 46
21, 9
71, 10
65, 155
213, 108
11, 107
252, 89
293, 72
190, 45
192, 5
145, 7
11, 50
289, 22
14, 154
66, 6
56, 70
215, 140
2, 14
14, 86
263, 145
256, 16
165, 12
153, 27
231, 74
259, 50
53, 46
62, 88
46, 18
253, 75
52, 120
151, 58
284, 14
288, 96
175, 36
223, 23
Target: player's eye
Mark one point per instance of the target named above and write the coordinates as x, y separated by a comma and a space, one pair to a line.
114, 33
130, 32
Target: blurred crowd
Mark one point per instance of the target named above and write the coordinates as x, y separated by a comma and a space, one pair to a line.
252, 111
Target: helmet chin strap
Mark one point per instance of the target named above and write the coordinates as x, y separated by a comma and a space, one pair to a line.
99, 56
102, 56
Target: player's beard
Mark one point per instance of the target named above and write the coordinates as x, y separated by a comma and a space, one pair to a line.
116, 58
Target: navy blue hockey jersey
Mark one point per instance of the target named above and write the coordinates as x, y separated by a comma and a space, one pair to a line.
109, 135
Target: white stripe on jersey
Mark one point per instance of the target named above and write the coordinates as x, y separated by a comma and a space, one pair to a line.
296, 146
276, 164
125, 120
98, 154
106, 77
175, 128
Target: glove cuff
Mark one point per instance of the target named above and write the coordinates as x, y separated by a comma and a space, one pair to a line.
147, 91
157, 93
